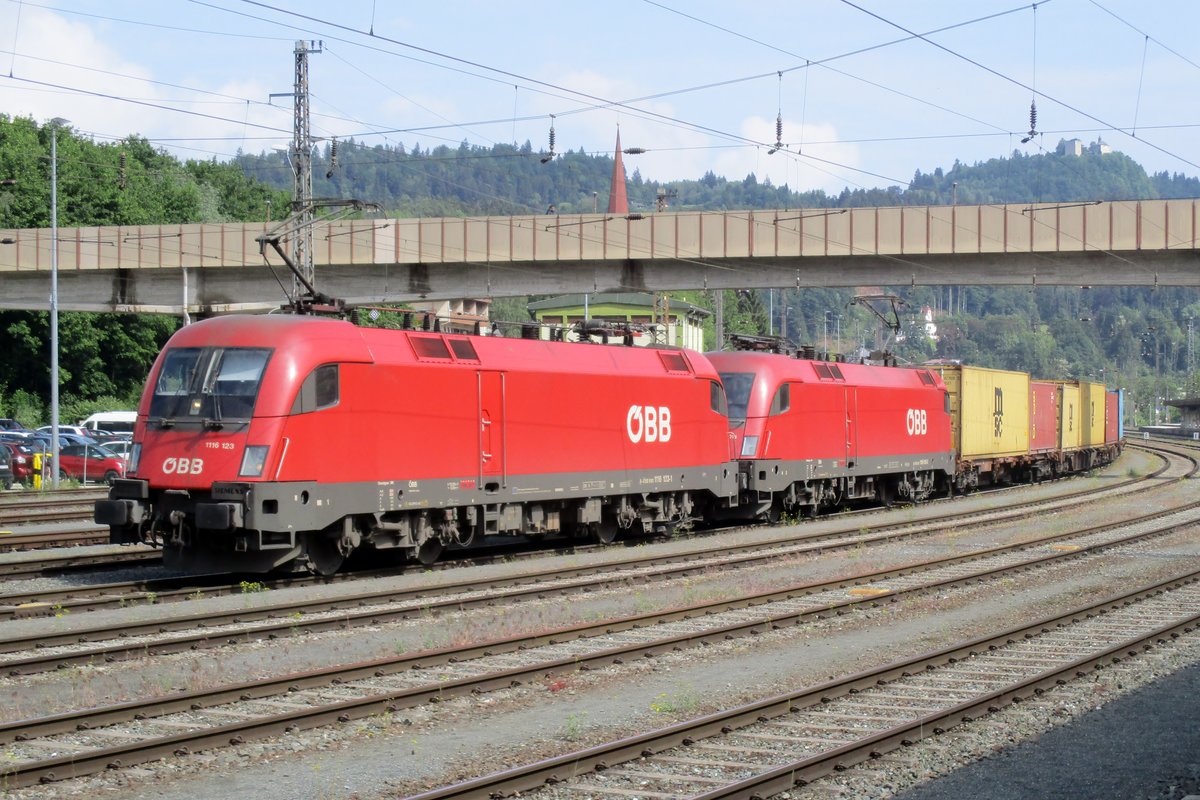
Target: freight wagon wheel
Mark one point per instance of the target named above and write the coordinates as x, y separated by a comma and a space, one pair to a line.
429, 551
324, 557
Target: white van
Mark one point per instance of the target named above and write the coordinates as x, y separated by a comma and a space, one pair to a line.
120, 422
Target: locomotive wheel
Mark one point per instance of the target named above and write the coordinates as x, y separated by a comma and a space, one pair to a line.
324, 557
605, 532
429, 551
773, 514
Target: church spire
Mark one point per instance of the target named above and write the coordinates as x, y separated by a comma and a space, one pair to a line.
618, 197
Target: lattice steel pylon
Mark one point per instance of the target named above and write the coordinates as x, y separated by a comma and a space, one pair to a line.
297, 229
1191, 345
662, 318
302, 145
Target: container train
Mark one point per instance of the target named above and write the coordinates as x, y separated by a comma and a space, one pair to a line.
285, 442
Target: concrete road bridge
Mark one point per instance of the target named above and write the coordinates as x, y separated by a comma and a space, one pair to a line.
219, 268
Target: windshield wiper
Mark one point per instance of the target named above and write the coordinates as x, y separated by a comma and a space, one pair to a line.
213, 424
162, 422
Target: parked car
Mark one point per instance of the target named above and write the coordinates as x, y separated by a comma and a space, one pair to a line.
7, 424
107, 438
120, 447
22, 460
73, 430
119, 423
89, 462
42, 441
6, 468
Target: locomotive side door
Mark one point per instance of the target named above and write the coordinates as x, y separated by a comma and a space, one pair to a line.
851, 427
491, 426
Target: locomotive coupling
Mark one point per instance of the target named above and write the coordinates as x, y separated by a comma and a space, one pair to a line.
118, 513
219, 516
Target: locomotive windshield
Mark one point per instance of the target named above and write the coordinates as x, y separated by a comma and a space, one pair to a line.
737, 389
209, 384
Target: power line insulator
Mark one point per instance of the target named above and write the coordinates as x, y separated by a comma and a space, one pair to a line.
332, 160
121, 170
1032, 122
550, 156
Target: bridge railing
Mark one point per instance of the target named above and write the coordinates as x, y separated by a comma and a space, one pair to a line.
1119, 226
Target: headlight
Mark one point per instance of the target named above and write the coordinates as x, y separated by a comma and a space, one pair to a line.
254, 461
135, 454
749, 446
20, 459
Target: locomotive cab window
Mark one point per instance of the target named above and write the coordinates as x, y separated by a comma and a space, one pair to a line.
737, 389
782, 401
321, 389
212, 384
716, 398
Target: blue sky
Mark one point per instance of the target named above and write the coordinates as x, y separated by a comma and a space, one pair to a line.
696, 83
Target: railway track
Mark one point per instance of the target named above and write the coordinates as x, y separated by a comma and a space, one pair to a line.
50, 506
401, 682
82, 645
63, 506
128, 733
782, 742
124, 734
60, 562
86, 598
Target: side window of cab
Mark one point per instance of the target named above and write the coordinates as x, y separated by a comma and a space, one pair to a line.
782, 401
321, 389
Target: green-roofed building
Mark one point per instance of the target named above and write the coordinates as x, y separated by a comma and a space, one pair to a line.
685, 321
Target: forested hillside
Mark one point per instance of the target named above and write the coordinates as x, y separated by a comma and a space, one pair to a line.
1131, 337
503, 179
103, 358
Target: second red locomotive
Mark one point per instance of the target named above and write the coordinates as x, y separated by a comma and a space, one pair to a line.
815, 435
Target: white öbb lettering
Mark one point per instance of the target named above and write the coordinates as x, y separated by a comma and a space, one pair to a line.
648, 424
183, 466
916, 422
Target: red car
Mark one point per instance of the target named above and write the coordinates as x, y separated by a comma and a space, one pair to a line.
90, 463
22, 461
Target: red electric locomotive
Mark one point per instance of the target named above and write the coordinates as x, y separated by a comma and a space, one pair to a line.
270, 442
814, 434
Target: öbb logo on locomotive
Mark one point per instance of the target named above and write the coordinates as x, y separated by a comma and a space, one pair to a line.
183, 466
648, 423
916, 422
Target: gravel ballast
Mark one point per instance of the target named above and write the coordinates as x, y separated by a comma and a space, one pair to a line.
396, 754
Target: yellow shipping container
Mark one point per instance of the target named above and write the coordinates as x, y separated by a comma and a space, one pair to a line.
1070, 421
1092, 397
989, 411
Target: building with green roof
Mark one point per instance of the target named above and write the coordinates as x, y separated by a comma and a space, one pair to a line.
684, 326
